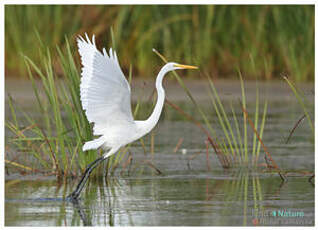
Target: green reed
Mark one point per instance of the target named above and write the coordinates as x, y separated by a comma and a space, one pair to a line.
55, 139
236, 141
278, 38
233, 143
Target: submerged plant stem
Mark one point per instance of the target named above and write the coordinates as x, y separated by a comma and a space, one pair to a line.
294, 128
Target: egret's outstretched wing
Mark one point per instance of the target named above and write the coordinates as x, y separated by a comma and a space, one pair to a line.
105, 92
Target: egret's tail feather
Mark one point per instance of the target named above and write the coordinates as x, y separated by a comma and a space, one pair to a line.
94, 144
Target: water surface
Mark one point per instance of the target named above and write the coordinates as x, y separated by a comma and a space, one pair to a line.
191, 191
183, 199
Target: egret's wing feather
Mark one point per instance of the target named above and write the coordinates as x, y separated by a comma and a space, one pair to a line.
105, 92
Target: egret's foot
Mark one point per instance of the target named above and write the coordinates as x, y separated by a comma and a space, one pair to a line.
73, 197
76, 193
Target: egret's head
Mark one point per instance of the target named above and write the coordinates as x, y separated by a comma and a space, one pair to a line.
169, 67
172, 65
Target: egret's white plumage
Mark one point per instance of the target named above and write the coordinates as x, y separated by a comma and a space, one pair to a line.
105, 96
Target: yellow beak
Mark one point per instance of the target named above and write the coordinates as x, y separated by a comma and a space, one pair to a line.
185, 66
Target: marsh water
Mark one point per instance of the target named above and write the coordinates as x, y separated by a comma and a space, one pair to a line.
189, 189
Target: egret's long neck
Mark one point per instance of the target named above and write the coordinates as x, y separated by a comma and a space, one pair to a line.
154, 117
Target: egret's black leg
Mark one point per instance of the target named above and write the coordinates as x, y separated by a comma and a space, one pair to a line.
75, 194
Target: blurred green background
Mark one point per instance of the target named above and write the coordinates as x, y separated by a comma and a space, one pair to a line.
263, 41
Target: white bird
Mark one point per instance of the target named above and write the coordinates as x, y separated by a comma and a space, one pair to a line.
105, 96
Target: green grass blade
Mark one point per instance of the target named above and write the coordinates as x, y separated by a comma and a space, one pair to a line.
221, 121
225, 117
255, 122
261, 132
238, 134
244, 115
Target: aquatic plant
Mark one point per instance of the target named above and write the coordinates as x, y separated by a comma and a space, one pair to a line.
231, 148
234, 144
55, 138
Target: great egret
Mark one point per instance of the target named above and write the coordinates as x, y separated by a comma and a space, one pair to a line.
105, 97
